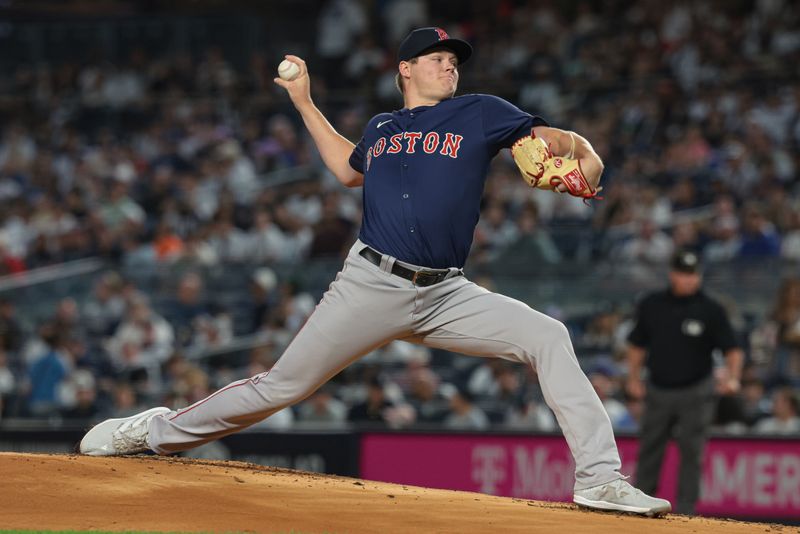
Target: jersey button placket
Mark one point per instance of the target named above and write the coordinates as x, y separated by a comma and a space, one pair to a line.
407, 208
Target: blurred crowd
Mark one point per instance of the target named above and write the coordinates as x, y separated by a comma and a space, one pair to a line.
194, 161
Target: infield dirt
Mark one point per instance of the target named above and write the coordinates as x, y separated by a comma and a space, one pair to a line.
147, 493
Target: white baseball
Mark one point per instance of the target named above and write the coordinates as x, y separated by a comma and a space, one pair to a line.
288, 70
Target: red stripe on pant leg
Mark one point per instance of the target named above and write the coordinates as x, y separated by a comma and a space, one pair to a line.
192, 407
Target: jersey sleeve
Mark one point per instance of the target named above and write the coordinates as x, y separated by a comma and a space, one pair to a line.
504, 123
357, 157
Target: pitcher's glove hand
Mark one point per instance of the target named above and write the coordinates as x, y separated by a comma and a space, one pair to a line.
543, 170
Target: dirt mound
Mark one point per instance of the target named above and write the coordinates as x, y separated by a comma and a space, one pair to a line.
173, 494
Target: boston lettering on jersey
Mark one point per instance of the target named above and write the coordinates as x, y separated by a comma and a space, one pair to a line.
408, 141
424, 172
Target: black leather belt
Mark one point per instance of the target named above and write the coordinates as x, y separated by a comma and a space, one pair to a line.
423, 277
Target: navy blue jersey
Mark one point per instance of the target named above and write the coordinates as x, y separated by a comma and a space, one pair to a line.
424, 172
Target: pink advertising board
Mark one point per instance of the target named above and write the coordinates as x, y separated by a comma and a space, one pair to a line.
741, 477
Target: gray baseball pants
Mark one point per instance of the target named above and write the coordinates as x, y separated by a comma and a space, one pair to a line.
366, 307
685, 413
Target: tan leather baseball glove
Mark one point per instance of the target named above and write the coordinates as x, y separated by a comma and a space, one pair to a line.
543, 170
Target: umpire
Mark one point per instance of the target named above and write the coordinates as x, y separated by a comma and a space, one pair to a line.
676, 331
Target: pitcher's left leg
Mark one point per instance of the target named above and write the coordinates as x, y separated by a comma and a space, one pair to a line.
464, 317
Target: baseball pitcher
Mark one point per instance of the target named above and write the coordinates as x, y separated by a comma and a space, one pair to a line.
422, 170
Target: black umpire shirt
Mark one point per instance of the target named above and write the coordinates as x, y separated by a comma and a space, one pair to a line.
680, 334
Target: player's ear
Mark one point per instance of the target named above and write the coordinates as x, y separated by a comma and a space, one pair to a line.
405, 69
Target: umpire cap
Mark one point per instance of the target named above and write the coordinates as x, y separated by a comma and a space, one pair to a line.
423, 39
685, 261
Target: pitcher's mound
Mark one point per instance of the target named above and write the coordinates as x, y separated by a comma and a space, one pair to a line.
146, 493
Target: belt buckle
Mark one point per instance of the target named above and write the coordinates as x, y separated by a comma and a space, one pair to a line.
429, 278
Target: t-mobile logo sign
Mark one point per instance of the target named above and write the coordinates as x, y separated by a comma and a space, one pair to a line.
488, 467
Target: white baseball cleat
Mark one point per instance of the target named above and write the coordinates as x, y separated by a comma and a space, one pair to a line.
621, 497
117, 437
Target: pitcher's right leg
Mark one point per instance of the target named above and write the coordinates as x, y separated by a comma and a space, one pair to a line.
363, 309
311, 359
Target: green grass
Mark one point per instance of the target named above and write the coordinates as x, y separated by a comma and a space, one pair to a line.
82, 532
121, 532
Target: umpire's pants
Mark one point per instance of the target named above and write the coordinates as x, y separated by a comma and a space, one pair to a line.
685, 414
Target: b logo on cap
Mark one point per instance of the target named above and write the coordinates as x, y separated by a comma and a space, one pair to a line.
442, 34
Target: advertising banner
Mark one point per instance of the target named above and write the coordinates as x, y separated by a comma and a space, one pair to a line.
752, 478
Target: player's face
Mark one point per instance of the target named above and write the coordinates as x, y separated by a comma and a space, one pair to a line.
435, 74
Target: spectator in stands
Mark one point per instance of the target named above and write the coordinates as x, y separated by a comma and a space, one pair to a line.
484, 380
9, 263
601, 335
786, 318
236, 171
167, 244
755, 405
79, 396
283, 147
67, 319
8, 383
197, 251
215, 74
263, 297
340, 24
424, 391
120, 213
759, 237
186, 308
729, 417
653, 206
15, 233
322, 408
790, 245
632, 420
333, 233
495, 232
532, 238
267, 238
106, 307
373, 410
295, 305
11, 334
602, 377
651, 246
684, 195
464, 414
213, 329
401, 16
230, 244
364, 64
724, 243
531, 415
144, 340
46, 374
785, 419
124, 400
